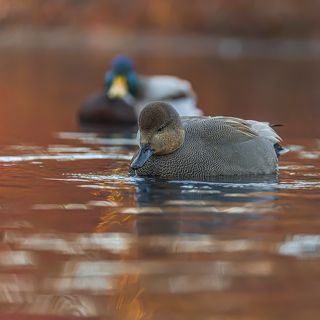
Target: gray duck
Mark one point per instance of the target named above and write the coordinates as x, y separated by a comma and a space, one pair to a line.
175, 147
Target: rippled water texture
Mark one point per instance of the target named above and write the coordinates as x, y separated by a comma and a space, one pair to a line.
81, 238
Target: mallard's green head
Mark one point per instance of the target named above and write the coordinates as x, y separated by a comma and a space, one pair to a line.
121, 80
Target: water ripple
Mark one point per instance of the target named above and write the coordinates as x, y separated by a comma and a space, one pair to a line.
65, 157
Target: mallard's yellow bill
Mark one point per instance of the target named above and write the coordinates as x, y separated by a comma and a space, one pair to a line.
119, 88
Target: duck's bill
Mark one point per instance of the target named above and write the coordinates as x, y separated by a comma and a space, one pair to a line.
145, 152
118, 89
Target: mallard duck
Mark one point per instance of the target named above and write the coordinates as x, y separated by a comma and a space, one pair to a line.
175, 147
126, 93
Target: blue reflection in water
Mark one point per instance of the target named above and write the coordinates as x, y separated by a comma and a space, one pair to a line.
156, 192
201, 207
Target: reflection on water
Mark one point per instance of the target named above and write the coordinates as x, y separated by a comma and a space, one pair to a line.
121, 247
79, 237
150, 192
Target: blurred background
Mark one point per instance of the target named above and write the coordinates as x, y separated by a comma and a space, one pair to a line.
78, 237
248, 58
241, 17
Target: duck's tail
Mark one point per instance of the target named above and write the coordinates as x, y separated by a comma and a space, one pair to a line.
264, 129
280, 150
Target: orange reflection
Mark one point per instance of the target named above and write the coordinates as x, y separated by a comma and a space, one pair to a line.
115, 222
128, 302
112, 220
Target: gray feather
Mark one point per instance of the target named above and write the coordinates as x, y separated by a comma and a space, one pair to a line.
216, 146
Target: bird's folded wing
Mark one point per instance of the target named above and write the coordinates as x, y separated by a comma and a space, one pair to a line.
220, 130
262, 129
231, 130
164, 87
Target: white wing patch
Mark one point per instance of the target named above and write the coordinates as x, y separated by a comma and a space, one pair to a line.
161, 87
177, 92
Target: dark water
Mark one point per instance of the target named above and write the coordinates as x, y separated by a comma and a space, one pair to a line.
81, 238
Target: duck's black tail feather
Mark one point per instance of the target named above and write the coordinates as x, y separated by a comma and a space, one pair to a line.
279, 149
276, 125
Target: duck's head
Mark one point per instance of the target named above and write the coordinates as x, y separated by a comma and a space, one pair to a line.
160, 132
121, 80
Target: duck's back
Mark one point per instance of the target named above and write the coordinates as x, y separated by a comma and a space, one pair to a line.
173, 90
214, 147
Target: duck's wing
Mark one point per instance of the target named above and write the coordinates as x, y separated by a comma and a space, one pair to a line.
171, 89
223, 130
164, 88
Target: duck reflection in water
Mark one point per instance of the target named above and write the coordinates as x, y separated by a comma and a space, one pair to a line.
173, 207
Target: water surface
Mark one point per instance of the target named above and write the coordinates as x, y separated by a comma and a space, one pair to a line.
79, 237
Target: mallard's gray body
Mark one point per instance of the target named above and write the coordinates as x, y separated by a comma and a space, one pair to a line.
217, 146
